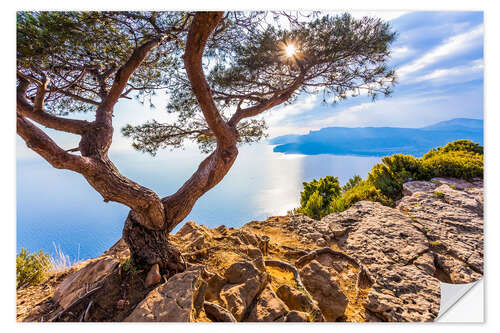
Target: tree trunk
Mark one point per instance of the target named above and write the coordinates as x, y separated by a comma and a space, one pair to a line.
149, 247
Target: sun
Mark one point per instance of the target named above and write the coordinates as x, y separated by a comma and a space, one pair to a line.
290, 50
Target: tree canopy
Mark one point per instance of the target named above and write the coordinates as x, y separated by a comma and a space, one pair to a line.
246, 67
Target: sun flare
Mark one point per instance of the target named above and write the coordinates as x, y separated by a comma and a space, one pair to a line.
290, 50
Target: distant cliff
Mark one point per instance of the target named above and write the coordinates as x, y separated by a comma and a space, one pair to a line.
379, 141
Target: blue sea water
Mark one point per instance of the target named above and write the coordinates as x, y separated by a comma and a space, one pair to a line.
59, 207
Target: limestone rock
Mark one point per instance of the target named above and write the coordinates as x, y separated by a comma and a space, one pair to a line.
410, 188
388, 245
84, 279
404, 293
193, 236
459, 184
425, 262
452, 221
178, 300
455, 270
214, 285
153, 276
379, 236
245, 282
218, 313
325, 289
119, 250
268, 307
297, 317
299, 301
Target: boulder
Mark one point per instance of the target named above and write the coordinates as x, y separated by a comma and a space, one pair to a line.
214, 285
410, 188
90, 276
244, 282
119, 250
379, 236
425, 262
193, 236
458, 184
217, 313
404, 293
153, 276
297, 317
325, 290
178, 300
299, 301
455, 270
268, 307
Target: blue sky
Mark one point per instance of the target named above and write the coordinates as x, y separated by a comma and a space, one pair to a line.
438, 58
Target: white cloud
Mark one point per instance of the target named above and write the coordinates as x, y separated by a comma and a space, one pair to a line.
456, 44
398, 53
463, 73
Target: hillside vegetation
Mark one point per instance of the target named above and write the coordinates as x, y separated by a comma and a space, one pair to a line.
461, 159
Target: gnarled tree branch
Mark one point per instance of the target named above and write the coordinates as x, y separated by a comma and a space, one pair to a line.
124, 72
213, 169
25, 109
202, 26
277, 99
41, 143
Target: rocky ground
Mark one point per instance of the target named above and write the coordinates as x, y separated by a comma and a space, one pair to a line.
369, 263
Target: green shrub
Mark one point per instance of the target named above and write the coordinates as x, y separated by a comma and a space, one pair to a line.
394, 170
317, 195
355, 180
456, 164
128, 267
314, 207
327, 188
31, 268
459, 145
362, 191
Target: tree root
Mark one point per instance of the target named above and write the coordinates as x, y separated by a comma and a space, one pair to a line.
76, 302
84, 316
288, 267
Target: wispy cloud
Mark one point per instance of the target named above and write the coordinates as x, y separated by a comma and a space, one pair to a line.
456, 44
462, 73
402, 52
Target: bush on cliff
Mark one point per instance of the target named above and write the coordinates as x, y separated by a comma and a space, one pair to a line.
459, 159
31, 268
364, 190
355, 180
317, 196
389, 176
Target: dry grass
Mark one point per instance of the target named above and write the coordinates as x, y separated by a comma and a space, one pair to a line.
280, 277
61, 261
